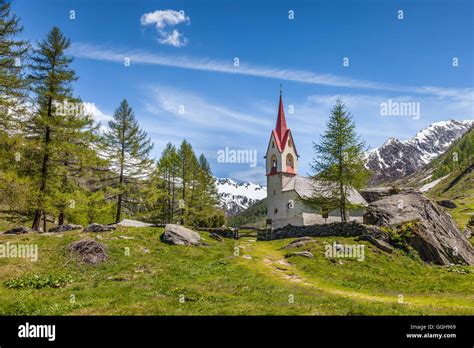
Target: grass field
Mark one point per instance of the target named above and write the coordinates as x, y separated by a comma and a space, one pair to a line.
144, 276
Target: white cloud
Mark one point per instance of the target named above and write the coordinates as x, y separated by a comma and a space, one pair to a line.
461, 95
97, 114
163, 20
174, 39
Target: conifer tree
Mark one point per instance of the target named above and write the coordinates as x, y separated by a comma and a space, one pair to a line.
13, 84
338, 165
52, 80
187, 175
127, 148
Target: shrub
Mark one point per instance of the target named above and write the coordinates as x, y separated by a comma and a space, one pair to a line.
38, 281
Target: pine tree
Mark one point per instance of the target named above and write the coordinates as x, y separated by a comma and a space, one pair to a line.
187, 176
206, 190
52, 81
338, 165
166, 175
127, 148
13, 84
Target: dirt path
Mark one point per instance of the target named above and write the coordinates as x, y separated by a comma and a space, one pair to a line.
274, 261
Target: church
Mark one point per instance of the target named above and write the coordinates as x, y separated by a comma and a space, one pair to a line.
285, 187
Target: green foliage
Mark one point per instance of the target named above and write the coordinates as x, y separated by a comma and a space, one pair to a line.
254, 216
338, 164
127, 148
400, 236
38, 281
216, 282
13, 84
183, 189
458, 157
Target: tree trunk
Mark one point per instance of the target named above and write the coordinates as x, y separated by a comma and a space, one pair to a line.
119, 208
44, 173
61, 218
37, 220
44, 222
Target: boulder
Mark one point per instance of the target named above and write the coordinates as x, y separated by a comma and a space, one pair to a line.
179, 235
133, 223
19, 230
65, 228
306, 254
447, 203
216, 237
378, 238
436, 237
299, 242
89, 251
467, 232
373, 194
99, 228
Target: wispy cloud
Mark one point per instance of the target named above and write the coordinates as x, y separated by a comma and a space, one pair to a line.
97, 114
163, 20
104, 53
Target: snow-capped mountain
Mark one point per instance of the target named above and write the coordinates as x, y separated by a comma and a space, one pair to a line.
396, 159
237, 196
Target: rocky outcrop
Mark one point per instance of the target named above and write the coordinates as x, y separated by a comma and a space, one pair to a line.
99, 228
447, 203
299, 242
373, 194
216, 237
18, 230
306, 254
436, 237
179, 235
376, 236
65, 228
88, 251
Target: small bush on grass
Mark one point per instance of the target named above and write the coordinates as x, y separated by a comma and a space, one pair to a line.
38, 281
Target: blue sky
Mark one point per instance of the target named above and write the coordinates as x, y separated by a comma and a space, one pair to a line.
184, 61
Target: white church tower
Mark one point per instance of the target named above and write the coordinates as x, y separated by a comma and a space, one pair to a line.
281, 167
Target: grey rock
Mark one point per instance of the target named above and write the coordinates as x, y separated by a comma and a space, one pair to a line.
436, 237
378, 238
306, 254
99, 228
89, 251
447, 203
467, 232
18, 230
216, 237
299, 242
65, 228
179, 235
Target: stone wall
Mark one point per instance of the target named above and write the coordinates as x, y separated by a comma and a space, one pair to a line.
343, 229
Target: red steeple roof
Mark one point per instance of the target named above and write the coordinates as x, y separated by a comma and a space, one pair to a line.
281, 131
281, 121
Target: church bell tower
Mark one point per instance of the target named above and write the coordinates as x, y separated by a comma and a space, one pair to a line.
281, 164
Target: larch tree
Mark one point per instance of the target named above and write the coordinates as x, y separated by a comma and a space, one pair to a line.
338, 165
127, 147
47, 129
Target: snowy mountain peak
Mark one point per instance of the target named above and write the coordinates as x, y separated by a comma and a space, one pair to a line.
396, 159
236, 196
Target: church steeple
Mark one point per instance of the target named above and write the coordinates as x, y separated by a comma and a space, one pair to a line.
281, 156
281, 127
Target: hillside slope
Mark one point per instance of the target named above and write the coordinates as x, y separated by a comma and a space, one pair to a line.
450, 177
158, 279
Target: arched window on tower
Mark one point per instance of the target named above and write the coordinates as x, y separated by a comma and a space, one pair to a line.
274, 161
289, 162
